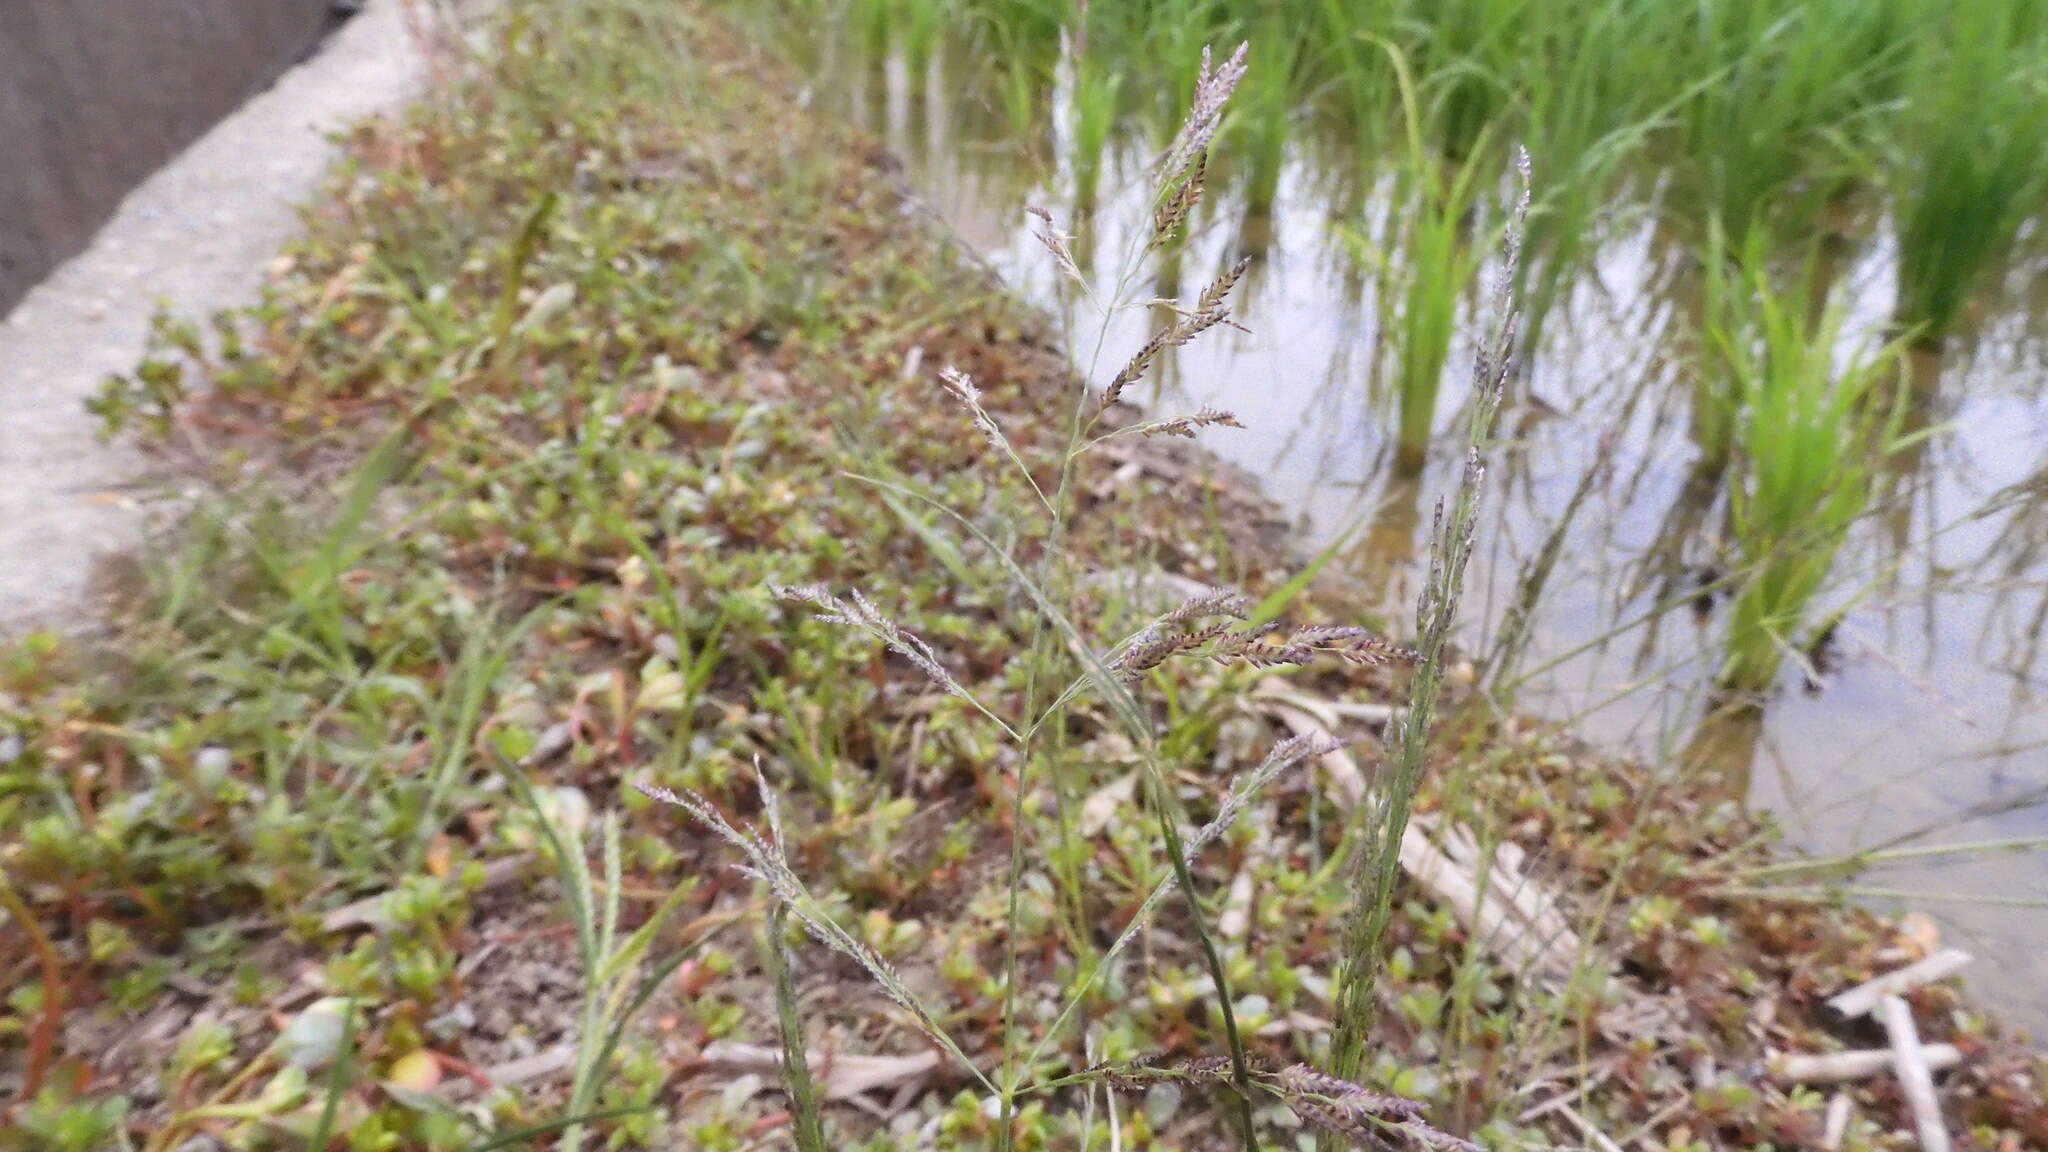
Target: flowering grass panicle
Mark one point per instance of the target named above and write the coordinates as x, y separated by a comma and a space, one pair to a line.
1213, 86
1284, 755
1453, 532
767, 863
1179, 203
1189, 323
1212, 625
960, 386
1055, 242
1153, 644
858, 612
1213, 295
1372, 1119
1186, 425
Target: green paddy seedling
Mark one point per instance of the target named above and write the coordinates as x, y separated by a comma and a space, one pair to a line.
1971, 159
1806, 427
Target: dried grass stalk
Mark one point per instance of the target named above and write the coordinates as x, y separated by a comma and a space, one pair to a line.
767, 863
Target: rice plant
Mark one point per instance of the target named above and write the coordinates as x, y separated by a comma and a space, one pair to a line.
1589, 125
1724, 354
1264, 116
1426, 258
1804, 438
1759, 113
1094, 91
1771, 96
1971, 160
1464, 50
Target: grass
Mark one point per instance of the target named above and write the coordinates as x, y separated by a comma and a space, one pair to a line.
1763, 138
1806, 431
1199, 626
1424, 263
1769, 115
502, 470
1379, 858
1971, 169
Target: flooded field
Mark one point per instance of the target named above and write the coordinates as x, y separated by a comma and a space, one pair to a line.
1911, 729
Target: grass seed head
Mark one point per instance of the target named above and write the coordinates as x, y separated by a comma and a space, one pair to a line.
1174, 211
1213, 86
1212, 296
856, 611
767, 863
1055, 242
960, 386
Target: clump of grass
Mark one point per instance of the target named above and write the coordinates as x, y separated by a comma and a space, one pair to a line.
1110, 674
1765, 114
1772, 99
1426, 259
1724, 355
1377, 856
1265, 115
1094, 93
309, 717
621, 969
1465, 53
1971, 162
1588, 125
1803, 427
1434, 263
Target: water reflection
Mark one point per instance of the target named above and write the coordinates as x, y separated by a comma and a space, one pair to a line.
1385, 557
1603, 590
1723, 749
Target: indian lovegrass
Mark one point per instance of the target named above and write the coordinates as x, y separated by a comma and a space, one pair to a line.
1377, 856
1070, 661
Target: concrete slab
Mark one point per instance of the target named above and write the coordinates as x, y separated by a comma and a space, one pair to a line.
198, 234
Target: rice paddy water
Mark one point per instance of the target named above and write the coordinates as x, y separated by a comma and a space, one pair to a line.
1774, 499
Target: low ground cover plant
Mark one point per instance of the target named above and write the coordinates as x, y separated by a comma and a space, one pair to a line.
339, 841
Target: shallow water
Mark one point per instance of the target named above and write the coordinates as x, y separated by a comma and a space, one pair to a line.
1926, 725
